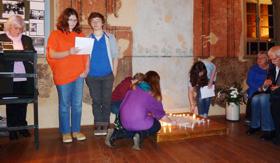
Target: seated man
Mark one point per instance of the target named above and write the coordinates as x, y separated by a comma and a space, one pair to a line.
274, 77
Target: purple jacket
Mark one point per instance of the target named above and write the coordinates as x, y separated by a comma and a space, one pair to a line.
138, 110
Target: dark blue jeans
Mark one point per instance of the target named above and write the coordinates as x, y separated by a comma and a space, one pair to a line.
100, 89
261, 113
123, 133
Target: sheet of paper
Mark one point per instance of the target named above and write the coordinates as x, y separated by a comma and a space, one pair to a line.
84, 44
207, 92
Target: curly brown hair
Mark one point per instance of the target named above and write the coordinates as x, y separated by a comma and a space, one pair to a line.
195, 79
153, 78
62, 22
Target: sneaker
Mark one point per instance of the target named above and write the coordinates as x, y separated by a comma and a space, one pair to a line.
136, 141
104, 129
66, 138
108, 138
100, 130
79, 136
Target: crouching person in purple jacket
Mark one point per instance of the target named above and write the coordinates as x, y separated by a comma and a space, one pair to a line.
140, 112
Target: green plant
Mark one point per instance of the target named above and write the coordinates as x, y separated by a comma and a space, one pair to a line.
231, 94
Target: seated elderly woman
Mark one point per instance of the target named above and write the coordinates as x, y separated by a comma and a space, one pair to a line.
259, 98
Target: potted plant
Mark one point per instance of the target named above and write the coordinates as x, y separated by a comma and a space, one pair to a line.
233, 96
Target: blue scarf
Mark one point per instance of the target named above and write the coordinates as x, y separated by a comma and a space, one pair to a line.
144, 86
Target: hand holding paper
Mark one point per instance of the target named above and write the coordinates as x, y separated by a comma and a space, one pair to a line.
207, 92
84, 45
74, 50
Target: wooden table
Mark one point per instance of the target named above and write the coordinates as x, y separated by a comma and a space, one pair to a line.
172, 133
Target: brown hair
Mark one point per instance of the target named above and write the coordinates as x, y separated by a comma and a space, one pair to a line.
95, 15
195, 79
139, 77
153, 78
62, 22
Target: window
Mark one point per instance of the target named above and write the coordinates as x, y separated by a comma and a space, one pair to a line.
260, 34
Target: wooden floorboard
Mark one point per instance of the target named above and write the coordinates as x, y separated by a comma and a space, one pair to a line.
234, 147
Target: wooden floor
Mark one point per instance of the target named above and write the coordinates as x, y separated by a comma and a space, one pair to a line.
234, 147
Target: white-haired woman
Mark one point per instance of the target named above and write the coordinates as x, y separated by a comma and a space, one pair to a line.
16, 113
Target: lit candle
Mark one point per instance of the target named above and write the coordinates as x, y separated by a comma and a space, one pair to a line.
164, 129
169, 128
194, 116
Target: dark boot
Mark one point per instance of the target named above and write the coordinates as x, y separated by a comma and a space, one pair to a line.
267, 135
13, 135
276, 140
252, 131
24, 133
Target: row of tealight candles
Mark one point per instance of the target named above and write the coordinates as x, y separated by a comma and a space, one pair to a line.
190, 117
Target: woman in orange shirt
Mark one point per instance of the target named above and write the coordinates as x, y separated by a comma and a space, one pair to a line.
69, 71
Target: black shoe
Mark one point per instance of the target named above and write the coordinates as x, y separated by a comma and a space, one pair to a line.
267, 136
251, 131
276, 141
13, 135
25, 133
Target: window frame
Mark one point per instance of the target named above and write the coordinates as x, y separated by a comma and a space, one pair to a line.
259, 42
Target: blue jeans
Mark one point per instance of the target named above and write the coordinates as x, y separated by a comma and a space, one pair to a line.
203, 105
70, 102
260, 112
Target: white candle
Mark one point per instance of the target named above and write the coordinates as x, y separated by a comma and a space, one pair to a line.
169, 128
164, 129
194, 116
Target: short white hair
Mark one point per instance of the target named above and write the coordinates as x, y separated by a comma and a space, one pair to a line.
14, 20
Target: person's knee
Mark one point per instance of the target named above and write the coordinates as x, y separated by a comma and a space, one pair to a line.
255, 99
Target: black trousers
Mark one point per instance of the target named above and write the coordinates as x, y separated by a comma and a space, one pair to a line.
275, 112
248, 109
16, 113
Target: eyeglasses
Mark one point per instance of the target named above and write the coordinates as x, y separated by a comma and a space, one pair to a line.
72, 20
96, 20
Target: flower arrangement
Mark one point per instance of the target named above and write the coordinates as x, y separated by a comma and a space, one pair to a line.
232, 94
